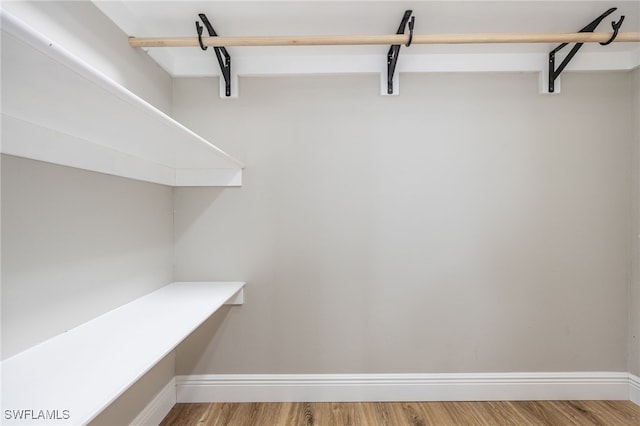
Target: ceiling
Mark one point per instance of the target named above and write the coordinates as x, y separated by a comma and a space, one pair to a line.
302, 17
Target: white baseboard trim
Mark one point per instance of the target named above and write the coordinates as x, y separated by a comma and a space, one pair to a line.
159, 406
402, 387
634, 389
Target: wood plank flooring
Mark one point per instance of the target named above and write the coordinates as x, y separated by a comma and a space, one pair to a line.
495, 413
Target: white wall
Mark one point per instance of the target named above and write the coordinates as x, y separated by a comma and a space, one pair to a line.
76, 244
634, 291
467, 225
83, 29
60, 229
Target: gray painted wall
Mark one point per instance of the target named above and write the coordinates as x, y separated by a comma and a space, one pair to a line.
467, 225
634, 291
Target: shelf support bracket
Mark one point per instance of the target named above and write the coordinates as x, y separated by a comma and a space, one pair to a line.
394, 50
224, 59
554, 72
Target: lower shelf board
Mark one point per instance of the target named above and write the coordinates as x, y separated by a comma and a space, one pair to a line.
72, 377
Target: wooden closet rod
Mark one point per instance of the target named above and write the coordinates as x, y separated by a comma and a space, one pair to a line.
342, 40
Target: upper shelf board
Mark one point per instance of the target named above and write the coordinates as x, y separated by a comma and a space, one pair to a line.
59, 109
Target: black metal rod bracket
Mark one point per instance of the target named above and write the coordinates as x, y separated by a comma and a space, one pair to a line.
394, 50
554, 72
224, 59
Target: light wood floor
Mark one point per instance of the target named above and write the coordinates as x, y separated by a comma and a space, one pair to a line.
552, 413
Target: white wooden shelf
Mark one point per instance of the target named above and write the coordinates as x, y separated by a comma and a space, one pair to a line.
57, 108
88, 367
